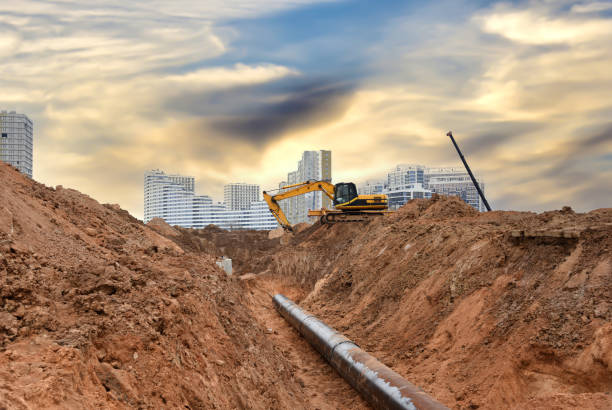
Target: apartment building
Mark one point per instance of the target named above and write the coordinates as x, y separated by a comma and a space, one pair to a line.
239, 196
16, 141
405, 174
169, 197
172, 198
406, 182
455, 181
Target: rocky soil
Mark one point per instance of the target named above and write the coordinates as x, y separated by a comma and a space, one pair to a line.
98, 310
493, 310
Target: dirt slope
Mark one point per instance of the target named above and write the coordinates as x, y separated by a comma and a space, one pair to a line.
453, 301
496, 310
243, 247
99, 311
325, 389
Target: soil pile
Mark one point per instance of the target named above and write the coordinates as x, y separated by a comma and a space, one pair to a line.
481, 310
99, 311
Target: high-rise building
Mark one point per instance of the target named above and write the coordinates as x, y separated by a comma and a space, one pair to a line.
169, 197
313, 166
404, 183
16, 141
454, 181
172, 198
400, 195
238, 195
326, 175
405, 174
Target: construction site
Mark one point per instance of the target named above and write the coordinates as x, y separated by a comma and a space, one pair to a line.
475, 310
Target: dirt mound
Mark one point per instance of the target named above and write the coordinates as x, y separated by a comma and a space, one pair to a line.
446, 207
162, 227
438, 207
489, 310
98, 310
276, 233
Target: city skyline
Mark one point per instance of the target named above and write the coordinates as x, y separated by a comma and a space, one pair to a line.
235, 90
173, 198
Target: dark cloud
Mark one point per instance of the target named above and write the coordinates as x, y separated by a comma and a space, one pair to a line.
598, 139
487, 136
260, 114
576, 159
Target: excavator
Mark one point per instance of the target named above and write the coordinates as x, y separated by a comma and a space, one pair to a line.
349, 207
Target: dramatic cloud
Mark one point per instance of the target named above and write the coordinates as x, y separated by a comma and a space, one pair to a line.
303, 108
236, 90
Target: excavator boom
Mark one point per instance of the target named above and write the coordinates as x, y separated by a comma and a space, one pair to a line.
349, 206
295, 190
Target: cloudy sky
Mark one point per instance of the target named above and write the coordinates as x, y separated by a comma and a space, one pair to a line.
235, 90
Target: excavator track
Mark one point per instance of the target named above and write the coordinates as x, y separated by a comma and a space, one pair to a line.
336, 217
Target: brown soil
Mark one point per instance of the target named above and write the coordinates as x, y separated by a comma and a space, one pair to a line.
493, 310
247, 249
99, 311
452, 301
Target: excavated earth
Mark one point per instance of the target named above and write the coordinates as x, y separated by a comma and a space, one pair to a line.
492, 310
481, 310
98, 311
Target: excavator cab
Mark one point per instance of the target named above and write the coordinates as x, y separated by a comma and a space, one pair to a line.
344, 192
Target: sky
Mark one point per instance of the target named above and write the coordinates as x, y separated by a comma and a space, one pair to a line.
235, 90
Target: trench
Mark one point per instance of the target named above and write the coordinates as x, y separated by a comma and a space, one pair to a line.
322, 386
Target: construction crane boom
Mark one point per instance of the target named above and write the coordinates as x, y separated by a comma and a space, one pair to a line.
467, 167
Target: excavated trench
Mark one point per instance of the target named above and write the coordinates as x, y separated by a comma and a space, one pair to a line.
323, 387
495, 310
498, 310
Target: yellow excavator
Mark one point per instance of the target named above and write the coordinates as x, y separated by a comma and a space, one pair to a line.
349, 207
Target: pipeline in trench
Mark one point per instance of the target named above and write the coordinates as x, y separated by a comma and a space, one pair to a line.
378, 384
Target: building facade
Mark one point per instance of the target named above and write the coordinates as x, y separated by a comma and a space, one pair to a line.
172, 198
169, 197
238, 195
406, 182
16, 141
455, 181
313, 166
405, 174
372, 187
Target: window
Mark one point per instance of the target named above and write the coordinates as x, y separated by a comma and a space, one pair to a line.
4, 135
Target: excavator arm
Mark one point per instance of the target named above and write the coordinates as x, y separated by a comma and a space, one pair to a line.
295, 190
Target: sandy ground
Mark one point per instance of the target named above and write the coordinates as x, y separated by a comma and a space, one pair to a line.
495, 310
98, 311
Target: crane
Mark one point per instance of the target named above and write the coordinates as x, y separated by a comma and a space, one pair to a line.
349, 207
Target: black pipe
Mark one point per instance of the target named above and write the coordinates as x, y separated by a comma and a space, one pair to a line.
378, 384
484, 200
